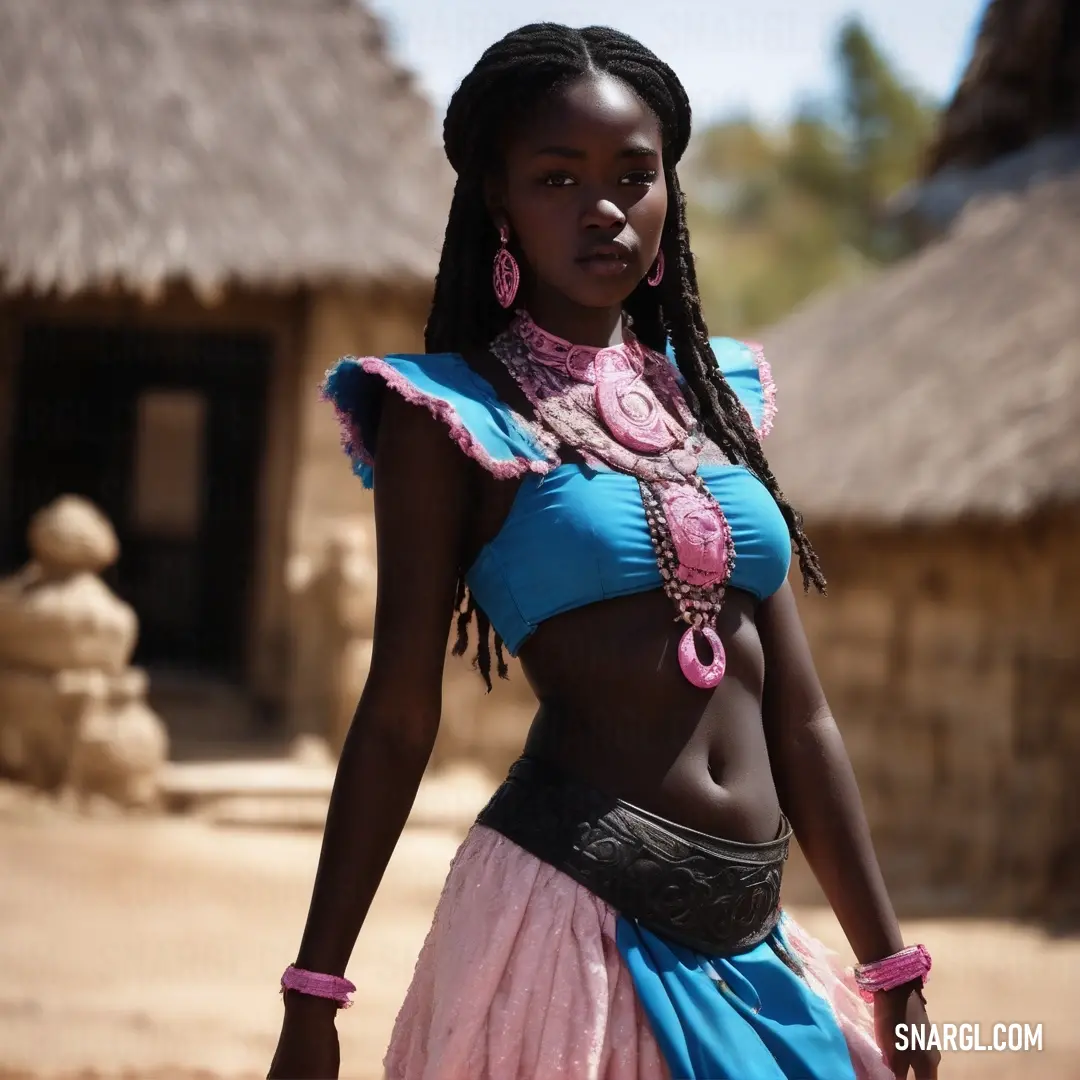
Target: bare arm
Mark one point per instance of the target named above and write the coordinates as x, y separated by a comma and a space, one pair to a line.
420, 498
817, 785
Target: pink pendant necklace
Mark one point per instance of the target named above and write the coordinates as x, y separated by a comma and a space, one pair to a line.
621, 407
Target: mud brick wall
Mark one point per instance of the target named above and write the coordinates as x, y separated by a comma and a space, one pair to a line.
951, 658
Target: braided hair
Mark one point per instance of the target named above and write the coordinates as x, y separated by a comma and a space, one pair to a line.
512, 76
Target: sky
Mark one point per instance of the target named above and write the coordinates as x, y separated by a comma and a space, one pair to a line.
760, 57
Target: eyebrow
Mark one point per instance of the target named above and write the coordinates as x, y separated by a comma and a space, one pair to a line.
638, 151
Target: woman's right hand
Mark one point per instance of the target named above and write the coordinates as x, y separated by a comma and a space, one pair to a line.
423, 491
308, 1047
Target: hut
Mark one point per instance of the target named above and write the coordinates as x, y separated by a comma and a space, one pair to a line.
202, 204
1014, 120
929, 430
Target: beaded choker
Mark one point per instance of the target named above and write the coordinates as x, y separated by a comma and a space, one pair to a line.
621, 407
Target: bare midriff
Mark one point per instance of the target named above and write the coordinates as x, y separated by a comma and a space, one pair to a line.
616, 712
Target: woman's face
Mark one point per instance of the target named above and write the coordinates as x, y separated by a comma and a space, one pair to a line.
584, 192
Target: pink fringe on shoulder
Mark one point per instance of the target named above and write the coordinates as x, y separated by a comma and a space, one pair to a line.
521, 977
351, 441
445, 412
768, 389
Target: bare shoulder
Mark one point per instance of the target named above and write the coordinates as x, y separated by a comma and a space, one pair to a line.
415, 446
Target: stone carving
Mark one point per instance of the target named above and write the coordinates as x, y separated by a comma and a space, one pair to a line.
334, 594
336, 620
73, 713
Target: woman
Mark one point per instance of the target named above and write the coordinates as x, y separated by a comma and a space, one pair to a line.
608, 511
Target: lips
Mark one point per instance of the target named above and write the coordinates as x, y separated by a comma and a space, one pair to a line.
606, 260
607, 253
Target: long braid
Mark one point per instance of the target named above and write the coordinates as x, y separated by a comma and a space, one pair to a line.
713, 401
512, 76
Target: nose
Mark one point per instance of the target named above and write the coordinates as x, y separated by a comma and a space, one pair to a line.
602, 214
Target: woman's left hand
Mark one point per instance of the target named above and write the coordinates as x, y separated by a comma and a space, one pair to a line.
903, 1006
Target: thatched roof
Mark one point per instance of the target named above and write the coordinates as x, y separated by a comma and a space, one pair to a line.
1021, 84
925, 210
947, 386
1013, 121
270, 142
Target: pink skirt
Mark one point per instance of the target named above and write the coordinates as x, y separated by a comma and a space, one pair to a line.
520, 977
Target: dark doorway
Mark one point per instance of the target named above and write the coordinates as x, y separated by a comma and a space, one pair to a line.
164, 431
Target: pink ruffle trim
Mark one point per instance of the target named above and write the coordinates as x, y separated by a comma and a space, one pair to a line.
351, 442
444, 411
768, 389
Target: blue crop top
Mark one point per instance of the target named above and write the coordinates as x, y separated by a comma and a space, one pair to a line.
574, 535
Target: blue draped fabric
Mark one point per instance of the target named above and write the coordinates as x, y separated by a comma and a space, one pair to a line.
748, 1016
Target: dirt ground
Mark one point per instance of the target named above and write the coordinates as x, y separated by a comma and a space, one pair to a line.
151, 948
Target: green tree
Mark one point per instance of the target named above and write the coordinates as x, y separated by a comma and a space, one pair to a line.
777, 216
889, 127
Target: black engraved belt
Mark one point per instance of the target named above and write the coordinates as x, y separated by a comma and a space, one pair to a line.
713, 895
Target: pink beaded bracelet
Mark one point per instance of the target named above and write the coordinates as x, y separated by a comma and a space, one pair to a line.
887, 974
313, 984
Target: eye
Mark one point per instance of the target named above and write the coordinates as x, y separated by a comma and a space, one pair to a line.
557, 179
640, 177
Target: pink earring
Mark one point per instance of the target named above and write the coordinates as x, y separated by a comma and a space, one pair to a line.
506, 275
657, 274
